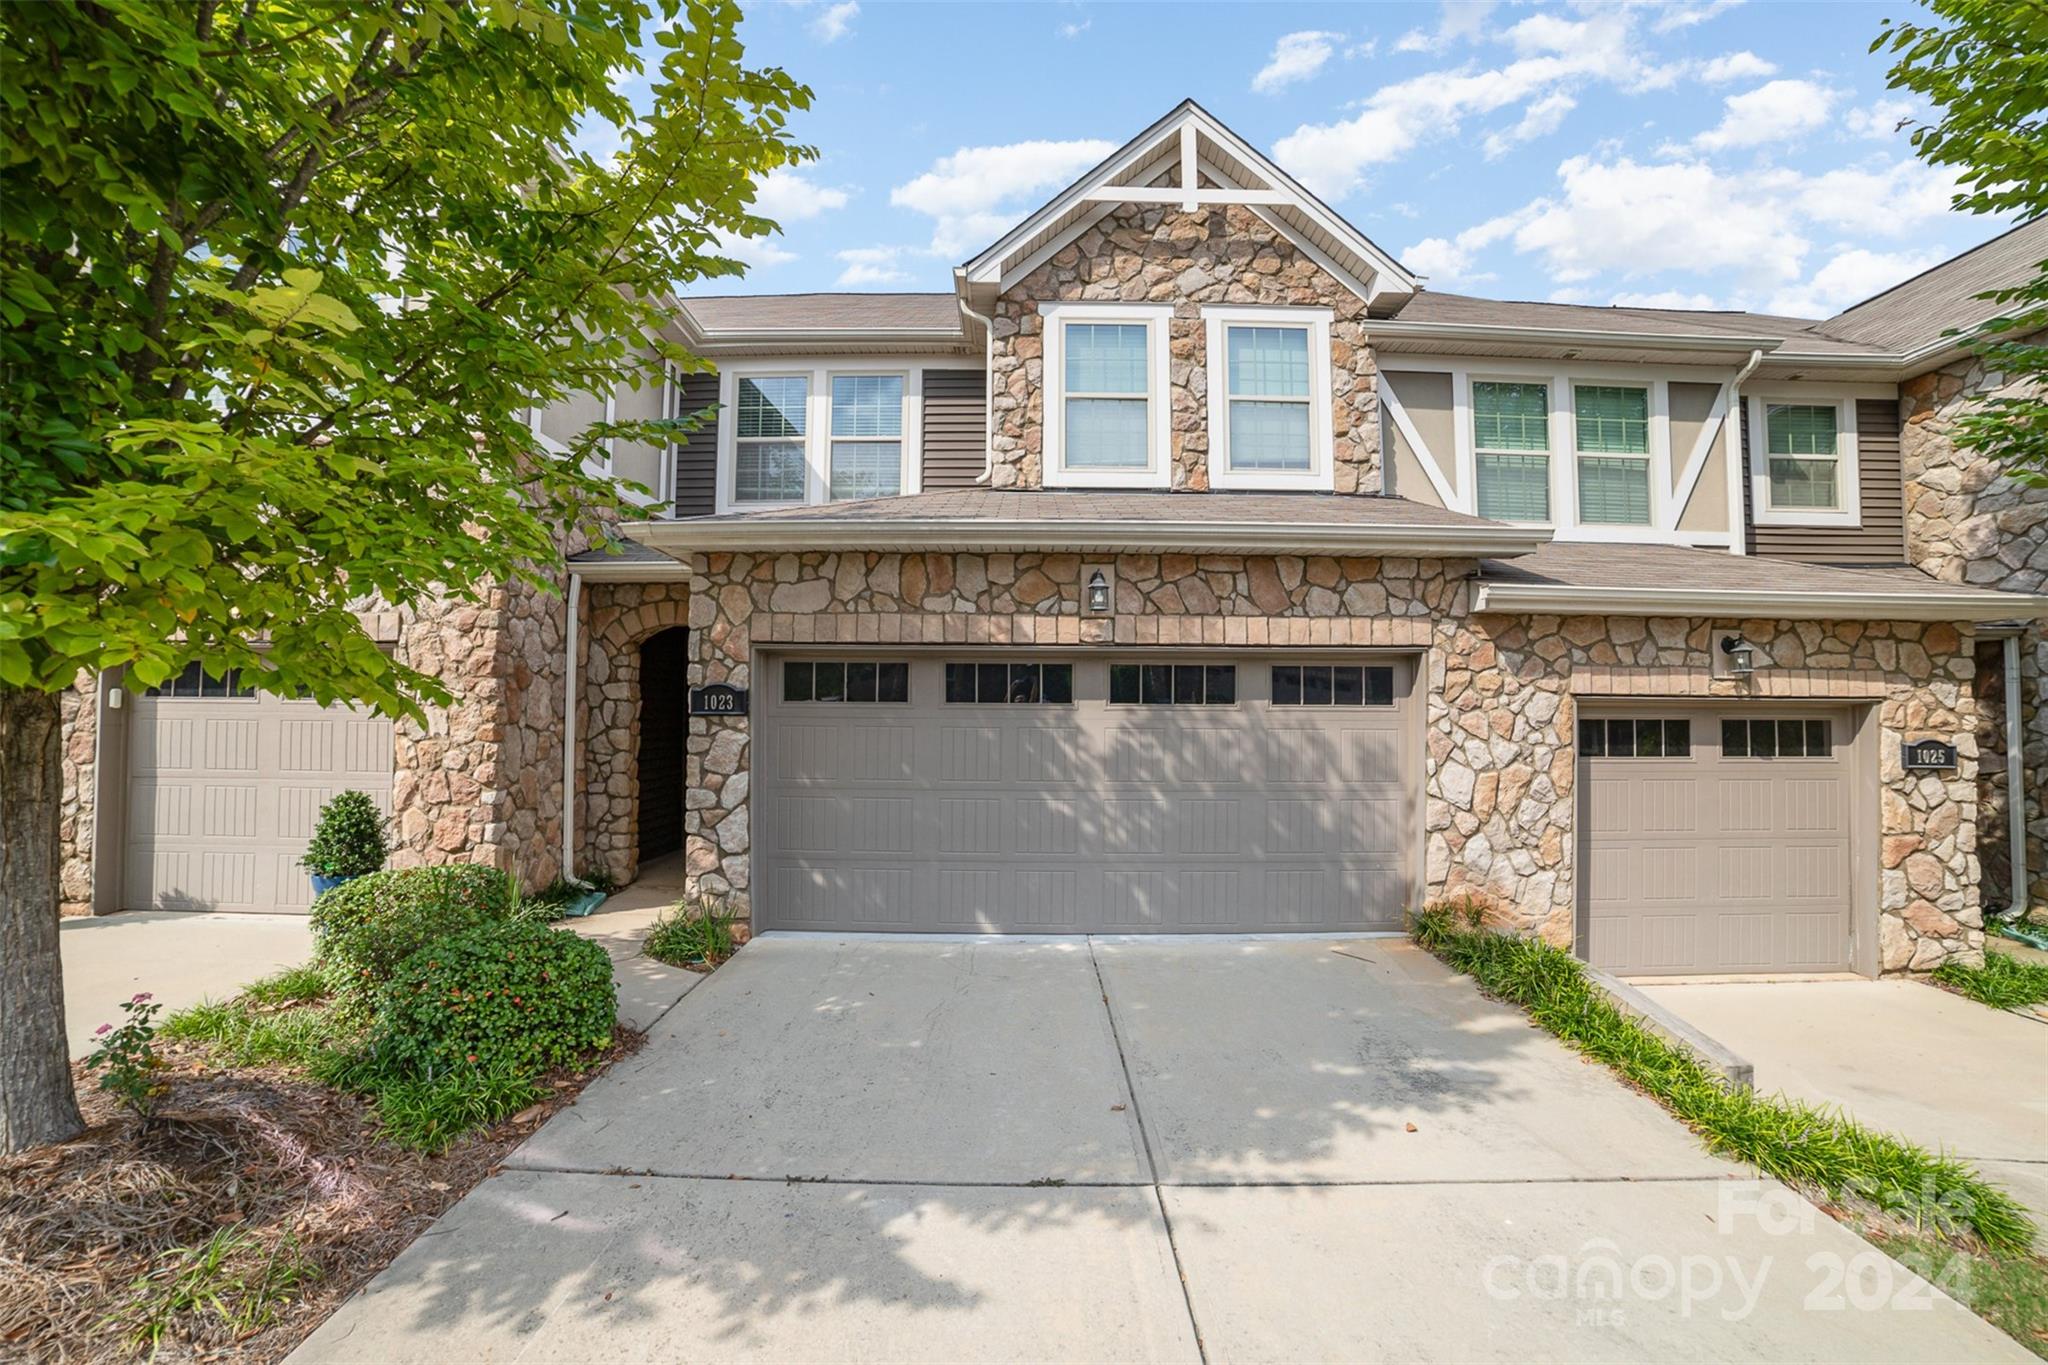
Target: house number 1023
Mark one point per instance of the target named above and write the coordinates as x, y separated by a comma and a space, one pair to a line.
718, 700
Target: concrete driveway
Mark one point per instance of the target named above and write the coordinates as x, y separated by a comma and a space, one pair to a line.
1900, 1055
1112, 1150
179, 956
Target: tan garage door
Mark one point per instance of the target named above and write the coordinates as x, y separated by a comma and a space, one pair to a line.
224, 785
1073, 794
1715, 840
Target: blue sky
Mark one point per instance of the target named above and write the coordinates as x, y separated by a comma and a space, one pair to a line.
1695, 154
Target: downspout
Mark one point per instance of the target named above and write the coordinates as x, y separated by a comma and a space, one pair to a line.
2015, 791
988, 380
1731, 426
569, 699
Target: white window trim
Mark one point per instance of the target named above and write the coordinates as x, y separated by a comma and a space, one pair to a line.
1559, 431
1848, 483
1158, 415
1321, 474
818, 374
1658, 438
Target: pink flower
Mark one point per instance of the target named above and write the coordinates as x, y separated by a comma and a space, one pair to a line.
102, 1029
141, 996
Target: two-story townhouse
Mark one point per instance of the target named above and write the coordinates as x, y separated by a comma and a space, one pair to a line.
1190, 567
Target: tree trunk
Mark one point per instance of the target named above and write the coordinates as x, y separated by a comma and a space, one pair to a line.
37, 1104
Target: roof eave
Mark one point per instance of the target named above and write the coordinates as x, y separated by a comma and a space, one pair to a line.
1570, 599
1727, 342
704, 535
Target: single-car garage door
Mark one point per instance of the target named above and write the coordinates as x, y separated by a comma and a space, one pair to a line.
1715, 840
224, 784
1073, 794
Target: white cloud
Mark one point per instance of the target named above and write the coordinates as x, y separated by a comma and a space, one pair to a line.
1777, 112
1673, 17
1664, 298
872, 265
1449, 260
1557, 56
977, 193
1074, 29
758, 253
787, 197
1736, 66
1880, 119
836, 22
1296, 57
1542, 118
1914, 195
1850, 277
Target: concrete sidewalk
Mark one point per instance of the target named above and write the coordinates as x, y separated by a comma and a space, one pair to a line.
1233, 1150
1902, 1056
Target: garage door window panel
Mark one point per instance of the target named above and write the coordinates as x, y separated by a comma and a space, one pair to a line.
1019, 684
1635, 737
194, 681
834, 680
1332, 685
1776, 737
1162, 684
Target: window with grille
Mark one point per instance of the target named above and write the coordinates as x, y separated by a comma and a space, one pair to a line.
193, 681
1511, 441
867, 436
1633, 737
768, 441
1802, 449
1776, 737
1612, 423
846, 680
1010, 683
1333, 685
1157, 684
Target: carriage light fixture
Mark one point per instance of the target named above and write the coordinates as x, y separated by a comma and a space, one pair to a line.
1098, 591
1741, 655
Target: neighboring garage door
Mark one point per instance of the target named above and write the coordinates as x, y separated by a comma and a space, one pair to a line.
224, 784
1039, 794
1715, 840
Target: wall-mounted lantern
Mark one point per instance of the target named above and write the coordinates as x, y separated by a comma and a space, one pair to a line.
1098, 591
1741, 655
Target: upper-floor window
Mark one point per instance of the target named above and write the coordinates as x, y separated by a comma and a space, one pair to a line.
768, 446
1106, 423
1269, 397
1803, 461
867, 436
1612, 426
1511, 445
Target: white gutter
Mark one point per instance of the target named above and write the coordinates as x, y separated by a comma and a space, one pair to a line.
925, 533
1557, 336
1830, 605
569, 697
631, 571
988, 397
2015, 778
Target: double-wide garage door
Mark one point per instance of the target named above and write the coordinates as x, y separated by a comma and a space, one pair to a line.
224, 786
1716, 840
1073, 794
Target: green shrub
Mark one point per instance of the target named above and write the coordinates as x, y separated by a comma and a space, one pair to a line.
515, 994
363, 930
692, 933
429, 1115
348, 840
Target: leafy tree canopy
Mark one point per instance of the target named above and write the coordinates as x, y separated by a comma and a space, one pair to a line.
280, 280
1983, 64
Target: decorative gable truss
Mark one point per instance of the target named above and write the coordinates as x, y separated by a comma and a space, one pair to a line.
1191, 160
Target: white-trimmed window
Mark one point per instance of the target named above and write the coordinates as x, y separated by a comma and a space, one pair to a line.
867, 436
1803, 461
1269, 397
1511, 449
1106, 421
1611, 423
769, 421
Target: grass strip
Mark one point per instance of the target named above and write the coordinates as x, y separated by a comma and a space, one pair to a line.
2003, 982
1797, 1142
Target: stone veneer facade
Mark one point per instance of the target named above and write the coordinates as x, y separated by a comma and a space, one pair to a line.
1501, 695
1965, 523
1162, 255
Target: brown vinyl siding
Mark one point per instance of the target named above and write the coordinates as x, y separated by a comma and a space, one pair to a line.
955, 428
1881, 539
697, 456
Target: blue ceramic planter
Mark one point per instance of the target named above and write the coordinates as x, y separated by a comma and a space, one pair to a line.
323, 885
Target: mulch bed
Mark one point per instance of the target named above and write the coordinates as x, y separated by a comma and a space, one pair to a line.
297, 1169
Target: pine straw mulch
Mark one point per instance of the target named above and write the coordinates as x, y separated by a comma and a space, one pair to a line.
92, 1229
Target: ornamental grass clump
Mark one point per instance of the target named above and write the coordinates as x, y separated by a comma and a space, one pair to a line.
1801, 1143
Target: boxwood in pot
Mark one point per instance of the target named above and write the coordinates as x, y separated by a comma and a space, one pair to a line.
348, 841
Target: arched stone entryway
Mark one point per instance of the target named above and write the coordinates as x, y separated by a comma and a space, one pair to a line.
629, 626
